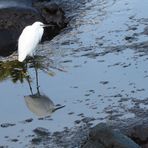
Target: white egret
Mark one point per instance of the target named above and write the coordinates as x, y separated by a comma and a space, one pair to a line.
29, 39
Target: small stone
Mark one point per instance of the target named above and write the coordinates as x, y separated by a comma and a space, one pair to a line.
5, 125
104, 82
41, 131
36, 140
77, 121
14, 140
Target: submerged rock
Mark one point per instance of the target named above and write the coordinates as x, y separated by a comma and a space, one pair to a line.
103, 136
15, 15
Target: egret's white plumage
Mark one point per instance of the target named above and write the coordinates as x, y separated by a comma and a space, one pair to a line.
29, 39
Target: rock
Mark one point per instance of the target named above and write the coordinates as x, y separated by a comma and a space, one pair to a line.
5, 125
102, 136
52, 14
28, 120
93, 144
16, 14
36, 140
145, 30
14, 140
41, 131
139, 133
128, 38
12, 22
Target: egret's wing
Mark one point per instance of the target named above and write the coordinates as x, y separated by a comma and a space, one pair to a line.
40, 31
27, 42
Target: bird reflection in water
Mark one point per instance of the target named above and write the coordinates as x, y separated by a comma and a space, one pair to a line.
41, 105
38, 103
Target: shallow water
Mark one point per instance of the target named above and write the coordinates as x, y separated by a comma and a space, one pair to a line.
91, 67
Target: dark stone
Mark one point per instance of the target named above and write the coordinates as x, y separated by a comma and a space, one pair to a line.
145, 30
41, 131
14, 140
52, 14
3, 146
93, 144
5, 125
12, 22
139, 133
103, 136
28, 120
104, 82
36, 140
129, 38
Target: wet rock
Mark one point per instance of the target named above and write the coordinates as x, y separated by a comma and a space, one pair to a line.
139, 133
5, 125
88, 119
91, 55
12, 22
14, 140
145, 30
3, 146
104, 82
52, 14
129, 38
41, 131
15, 15
36, 140
27, 120
78, 121
103, 136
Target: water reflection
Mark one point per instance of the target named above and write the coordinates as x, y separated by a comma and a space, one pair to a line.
38, 103
17, 71
14, 70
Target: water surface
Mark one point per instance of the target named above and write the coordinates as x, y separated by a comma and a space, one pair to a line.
95, 67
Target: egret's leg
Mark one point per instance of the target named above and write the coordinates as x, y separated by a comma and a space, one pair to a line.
27, 78
36, 75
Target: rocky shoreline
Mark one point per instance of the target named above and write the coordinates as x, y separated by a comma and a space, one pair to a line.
129, 134
133, 131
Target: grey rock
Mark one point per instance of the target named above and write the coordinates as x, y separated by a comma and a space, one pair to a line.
139, 133
5, 125
103, 136
41, 131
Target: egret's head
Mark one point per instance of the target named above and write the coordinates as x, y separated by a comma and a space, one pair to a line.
39, 24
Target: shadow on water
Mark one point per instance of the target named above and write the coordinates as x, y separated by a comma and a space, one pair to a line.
38, 103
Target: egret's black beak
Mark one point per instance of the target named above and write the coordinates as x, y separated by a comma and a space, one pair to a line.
48, 25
